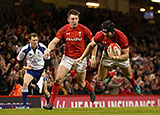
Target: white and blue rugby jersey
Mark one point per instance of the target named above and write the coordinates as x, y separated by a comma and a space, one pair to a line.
35, 60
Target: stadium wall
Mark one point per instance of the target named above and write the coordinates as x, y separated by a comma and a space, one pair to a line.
78, 101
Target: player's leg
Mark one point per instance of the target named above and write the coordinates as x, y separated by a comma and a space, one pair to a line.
61, 73
85, 84
128, 73
63, 68
103, 72
81, 79
26, 80
105, 66
82, 82
81, 75
45, 90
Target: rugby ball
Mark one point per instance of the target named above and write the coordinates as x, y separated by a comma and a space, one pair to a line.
115, 48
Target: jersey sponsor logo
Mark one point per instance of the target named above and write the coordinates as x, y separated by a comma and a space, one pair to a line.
68, 33
73, 39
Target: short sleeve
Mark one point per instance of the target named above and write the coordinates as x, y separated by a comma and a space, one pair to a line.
88, 33
60, 32
98, 37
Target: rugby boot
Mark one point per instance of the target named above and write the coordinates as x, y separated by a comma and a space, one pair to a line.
48, 106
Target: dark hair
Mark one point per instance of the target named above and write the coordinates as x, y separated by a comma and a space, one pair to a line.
32, 35
108, 26
73, 11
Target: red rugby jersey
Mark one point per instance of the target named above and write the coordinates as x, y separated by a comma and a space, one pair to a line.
118, 38
75, 39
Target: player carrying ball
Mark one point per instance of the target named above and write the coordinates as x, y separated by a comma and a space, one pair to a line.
109, 34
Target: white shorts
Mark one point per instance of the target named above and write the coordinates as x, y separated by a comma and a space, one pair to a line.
68, 63
108, 62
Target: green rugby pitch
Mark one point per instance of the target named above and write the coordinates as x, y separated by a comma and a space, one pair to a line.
84, 111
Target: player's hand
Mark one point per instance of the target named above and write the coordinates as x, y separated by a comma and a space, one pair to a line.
46, 54
79, 60
27, 67
44, 74
110, 53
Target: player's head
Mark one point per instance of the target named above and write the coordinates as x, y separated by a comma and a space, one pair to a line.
33, 39
73, 18
108, 28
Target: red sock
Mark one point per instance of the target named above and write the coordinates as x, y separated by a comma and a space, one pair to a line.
54, 92
133, 80
88, 86
110, 74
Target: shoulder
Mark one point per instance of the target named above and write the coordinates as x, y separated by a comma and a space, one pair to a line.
99, 34
86, 30
98, 37
25, 47
63, 29
42, 45
122, 40
83, 27
120, 33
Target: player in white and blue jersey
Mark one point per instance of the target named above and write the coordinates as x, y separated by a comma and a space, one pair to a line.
33, 53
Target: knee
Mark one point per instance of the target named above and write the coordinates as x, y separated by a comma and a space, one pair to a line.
82, 84
25, 85
58, 80
45, 91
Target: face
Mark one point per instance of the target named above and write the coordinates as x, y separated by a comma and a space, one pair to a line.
108, 35
73, 20
34, 41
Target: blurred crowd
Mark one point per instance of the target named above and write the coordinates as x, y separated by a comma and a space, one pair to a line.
143, 39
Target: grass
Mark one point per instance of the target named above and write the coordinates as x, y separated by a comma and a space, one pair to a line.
84, 111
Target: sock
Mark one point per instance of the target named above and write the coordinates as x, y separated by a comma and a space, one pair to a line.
108, 80
24, 96
133, 82
48, 98
54, 92
110, 74
88, 86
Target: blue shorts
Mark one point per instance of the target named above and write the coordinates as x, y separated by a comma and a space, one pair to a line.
36, 74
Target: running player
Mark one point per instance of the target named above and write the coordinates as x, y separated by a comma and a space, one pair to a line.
109, 34
75, 35
33, 53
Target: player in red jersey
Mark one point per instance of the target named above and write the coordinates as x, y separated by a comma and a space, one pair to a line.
109, 34
75, 35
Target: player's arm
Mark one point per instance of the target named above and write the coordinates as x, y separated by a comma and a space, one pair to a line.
94, 51
21, 56
93, 56
125, 54
51, 46
124, 48
89, 48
